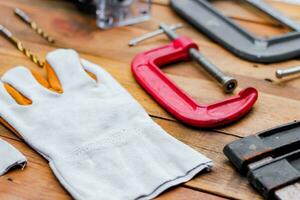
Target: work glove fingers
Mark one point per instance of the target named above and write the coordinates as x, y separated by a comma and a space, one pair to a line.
5, 98
102, 76
7, 102
23, 81
68, 69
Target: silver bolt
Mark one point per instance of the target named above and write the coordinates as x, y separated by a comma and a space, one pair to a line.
280, 73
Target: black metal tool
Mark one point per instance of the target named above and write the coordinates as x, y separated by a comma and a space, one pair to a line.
271, 161
233, 37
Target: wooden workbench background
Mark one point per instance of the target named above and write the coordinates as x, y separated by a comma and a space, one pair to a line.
279, 101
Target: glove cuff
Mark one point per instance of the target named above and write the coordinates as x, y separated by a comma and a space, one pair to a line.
129, 169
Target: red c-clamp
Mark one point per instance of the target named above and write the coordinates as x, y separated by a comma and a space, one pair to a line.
145, 68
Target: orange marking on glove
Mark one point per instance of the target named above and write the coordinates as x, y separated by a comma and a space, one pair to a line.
19, 98
53, 83
52, 79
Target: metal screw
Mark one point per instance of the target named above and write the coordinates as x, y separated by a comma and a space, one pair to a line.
228, 83
280, 73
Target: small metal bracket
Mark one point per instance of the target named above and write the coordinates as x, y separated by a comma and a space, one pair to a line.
233, 37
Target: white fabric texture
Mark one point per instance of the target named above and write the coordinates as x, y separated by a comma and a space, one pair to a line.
100, 143
10, 157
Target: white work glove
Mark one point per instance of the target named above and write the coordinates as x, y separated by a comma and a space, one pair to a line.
10, 157
100, 143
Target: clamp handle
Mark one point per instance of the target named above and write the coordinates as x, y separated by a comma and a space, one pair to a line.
145, 68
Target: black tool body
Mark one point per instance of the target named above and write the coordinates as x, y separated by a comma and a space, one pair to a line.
270, 159
233, 37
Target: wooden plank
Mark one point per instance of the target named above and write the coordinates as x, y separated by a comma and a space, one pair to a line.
71, 26
36, 181
77, 31
259, 119
96, 43
181, 193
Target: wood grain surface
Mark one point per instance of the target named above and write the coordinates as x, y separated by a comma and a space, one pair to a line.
279, 101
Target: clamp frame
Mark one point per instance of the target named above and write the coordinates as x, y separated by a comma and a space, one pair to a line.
145, 68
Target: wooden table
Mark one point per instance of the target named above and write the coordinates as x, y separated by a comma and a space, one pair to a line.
279, 101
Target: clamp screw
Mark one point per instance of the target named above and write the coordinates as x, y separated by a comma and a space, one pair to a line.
228, 83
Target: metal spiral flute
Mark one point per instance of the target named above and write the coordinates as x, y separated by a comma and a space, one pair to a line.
25, 18
5, 32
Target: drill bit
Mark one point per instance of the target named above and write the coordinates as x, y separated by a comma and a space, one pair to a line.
25, 18
8, 35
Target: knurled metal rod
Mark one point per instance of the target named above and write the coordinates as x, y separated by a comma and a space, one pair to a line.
8, 35
25, 18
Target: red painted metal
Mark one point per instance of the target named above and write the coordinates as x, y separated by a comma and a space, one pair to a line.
145, 68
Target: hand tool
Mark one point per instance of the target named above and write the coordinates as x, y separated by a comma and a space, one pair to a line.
228, 83
280, 73
236, 39
111, 13
25, 18
8, 35
145, 68
271, 160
